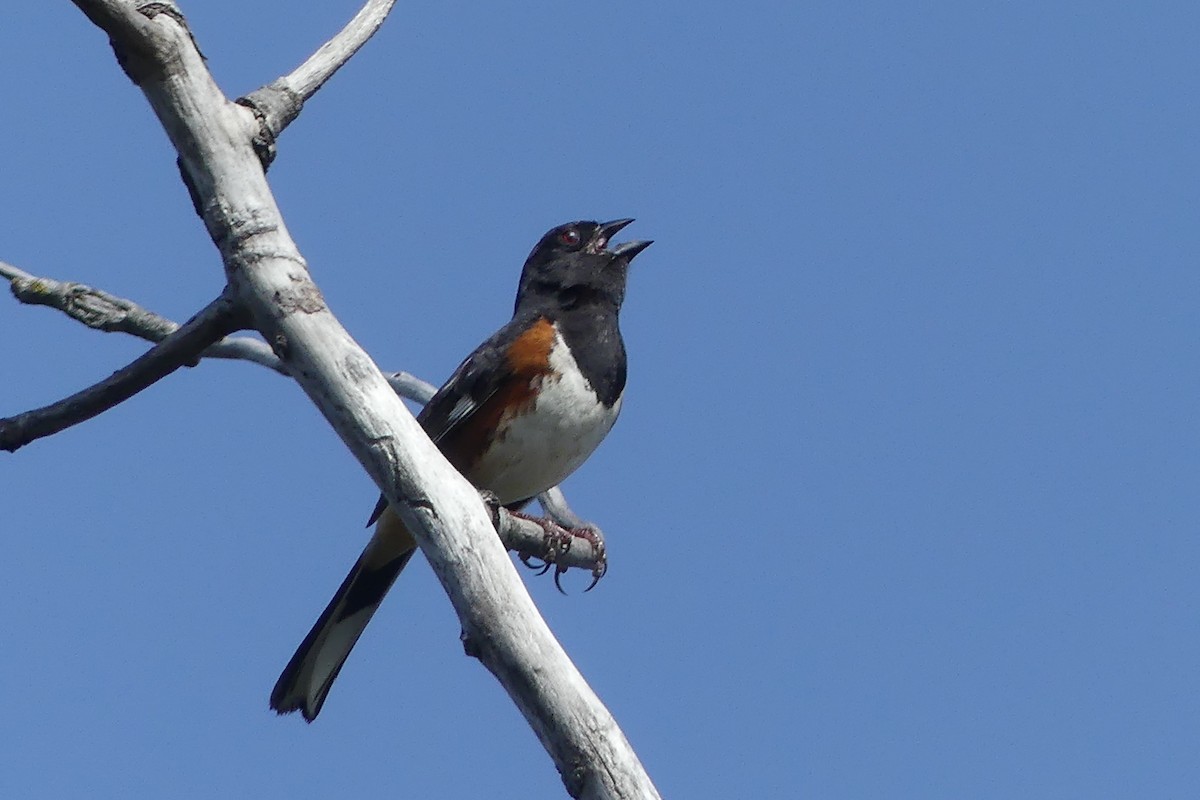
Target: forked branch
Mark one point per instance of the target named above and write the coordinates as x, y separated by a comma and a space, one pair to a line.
278, 103
181, 348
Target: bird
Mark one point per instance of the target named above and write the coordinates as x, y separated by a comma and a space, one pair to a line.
522, 412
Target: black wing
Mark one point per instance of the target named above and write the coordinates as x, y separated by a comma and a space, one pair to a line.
477, 378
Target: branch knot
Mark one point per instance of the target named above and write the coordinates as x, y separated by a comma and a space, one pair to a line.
274, 106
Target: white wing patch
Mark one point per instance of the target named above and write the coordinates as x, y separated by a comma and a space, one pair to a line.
462, 408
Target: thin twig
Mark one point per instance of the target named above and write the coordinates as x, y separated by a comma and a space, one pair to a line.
278, 103
106, 312
306, 79
93, 307
183, 347
554, 502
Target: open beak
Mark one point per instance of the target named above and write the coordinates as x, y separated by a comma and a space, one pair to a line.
627, 250
610, 229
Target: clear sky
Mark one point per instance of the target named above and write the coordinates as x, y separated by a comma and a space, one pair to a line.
904, 498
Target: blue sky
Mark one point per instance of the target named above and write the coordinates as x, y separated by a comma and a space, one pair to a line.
903, 501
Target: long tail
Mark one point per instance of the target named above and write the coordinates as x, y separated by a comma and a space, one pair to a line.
306, 679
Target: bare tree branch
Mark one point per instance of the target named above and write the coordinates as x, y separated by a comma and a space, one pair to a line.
278, 103
267, 274
306, 79
554, 502
179, 348
93, 307
98, 309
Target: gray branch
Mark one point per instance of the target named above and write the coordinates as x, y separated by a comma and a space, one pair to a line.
268, 276
182, 347
102, 311
277, 104
310, 76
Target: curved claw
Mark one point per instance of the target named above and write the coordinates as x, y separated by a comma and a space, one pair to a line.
597, 573
557, 542
526, 560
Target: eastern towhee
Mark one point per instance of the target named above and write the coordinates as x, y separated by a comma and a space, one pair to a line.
518, 416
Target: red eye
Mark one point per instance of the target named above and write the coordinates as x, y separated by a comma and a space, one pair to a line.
569, 237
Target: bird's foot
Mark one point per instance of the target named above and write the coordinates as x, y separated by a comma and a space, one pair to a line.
557, 542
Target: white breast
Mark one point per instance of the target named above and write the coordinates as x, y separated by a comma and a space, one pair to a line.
540, 448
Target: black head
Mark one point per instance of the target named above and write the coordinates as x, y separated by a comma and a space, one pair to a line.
573, 265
